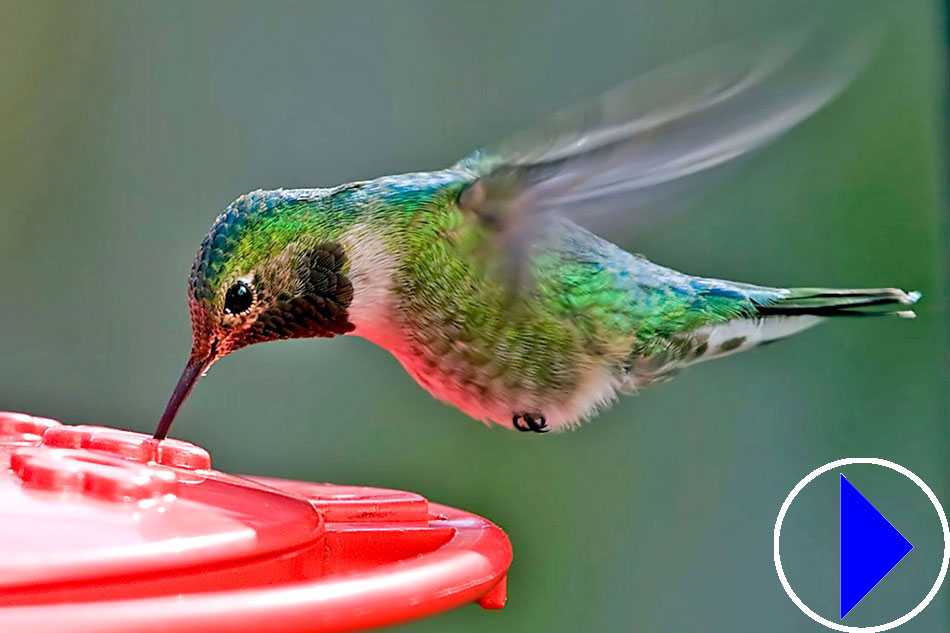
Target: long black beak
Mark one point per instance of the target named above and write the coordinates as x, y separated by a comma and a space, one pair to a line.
185, 384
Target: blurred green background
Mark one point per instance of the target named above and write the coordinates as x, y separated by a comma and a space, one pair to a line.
125, 127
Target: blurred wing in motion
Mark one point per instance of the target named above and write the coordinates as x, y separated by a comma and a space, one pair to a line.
658, 134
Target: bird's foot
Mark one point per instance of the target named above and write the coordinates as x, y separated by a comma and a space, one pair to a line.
533, 422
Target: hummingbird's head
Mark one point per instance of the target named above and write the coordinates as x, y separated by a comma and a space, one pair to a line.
268, 269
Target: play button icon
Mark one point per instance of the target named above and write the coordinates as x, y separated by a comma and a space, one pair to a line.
870, 546
867, 546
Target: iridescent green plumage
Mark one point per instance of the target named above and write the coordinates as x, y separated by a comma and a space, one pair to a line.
591, 320
475, 278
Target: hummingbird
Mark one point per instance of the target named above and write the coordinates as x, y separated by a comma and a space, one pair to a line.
484, 280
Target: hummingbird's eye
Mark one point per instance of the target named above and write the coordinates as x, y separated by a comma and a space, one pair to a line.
238, 298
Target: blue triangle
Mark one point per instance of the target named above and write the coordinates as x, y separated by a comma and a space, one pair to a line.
870, 547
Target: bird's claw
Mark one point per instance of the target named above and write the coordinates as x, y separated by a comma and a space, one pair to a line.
533, 422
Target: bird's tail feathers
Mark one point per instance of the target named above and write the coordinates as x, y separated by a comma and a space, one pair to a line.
798, 310
833, 302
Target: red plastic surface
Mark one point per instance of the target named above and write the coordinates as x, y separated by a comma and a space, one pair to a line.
108, 530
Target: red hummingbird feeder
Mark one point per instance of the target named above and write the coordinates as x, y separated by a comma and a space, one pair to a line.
112, 531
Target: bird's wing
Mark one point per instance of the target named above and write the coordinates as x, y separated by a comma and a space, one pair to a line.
659, 134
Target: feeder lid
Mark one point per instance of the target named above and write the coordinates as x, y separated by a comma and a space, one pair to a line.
108, 530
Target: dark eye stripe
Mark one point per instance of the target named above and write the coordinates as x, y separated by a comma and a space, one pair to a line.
239, 298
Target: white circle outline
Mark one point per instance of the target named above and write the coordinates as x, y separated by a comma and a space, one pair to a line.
876, 461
